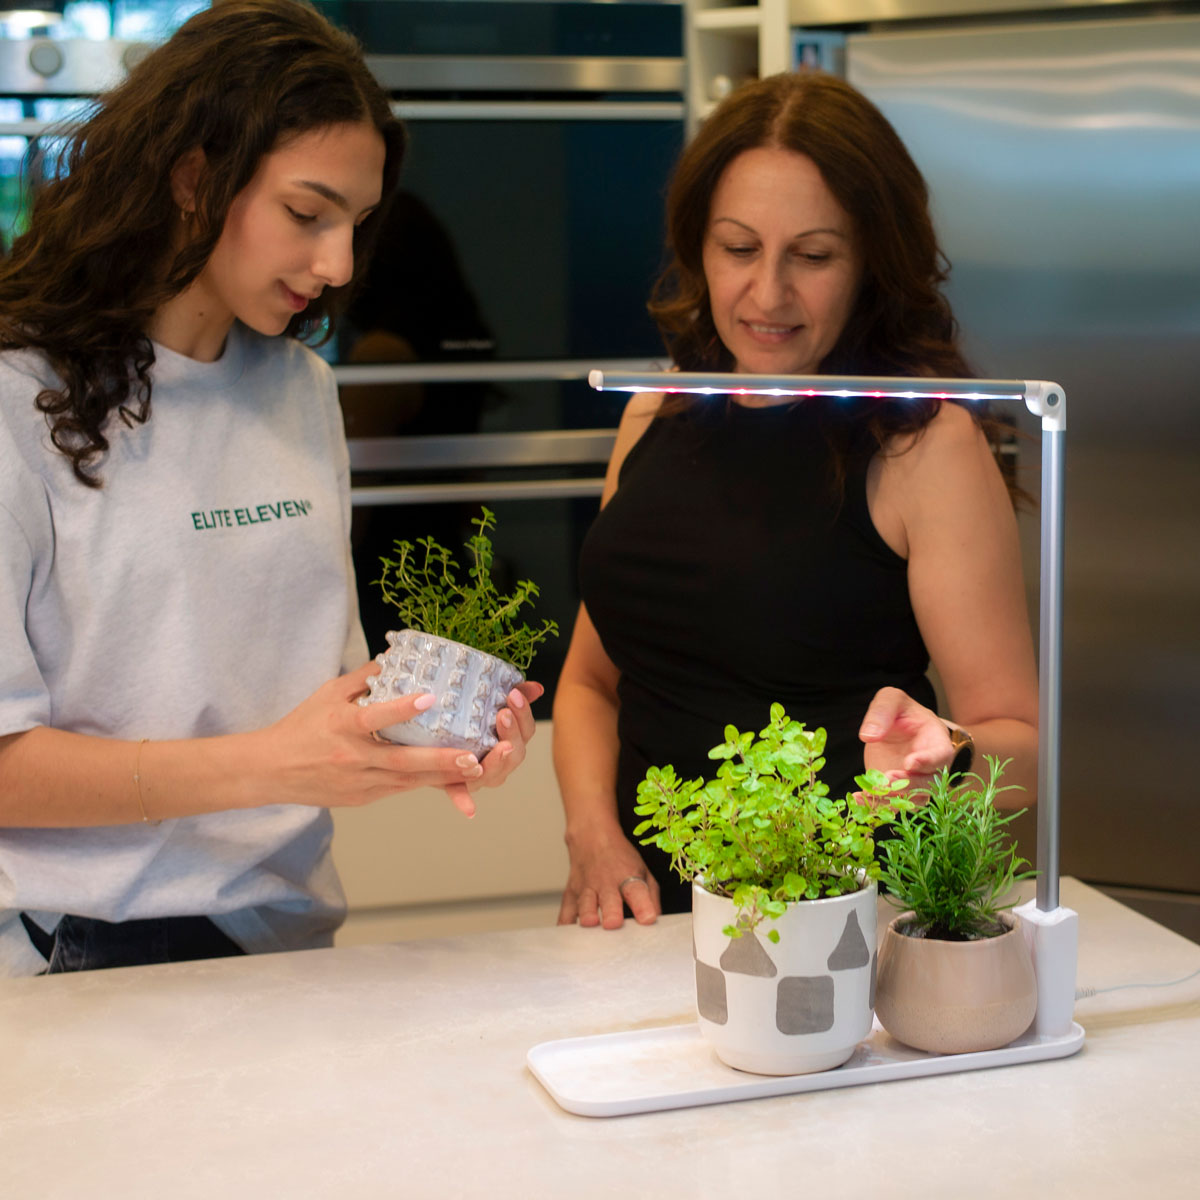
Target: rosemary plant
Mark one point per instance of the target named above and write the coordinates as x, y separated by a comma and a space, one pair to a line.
951, 861
426, 587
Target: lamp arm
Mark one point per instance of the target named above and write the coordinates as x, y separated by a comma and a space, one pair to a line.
1049, 402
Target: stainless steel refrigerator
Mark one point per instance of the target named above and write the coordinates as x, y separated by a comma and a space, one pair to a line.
1063, 157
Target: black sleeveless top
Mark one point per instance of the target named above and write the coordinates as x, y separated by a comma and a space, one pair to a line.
727, 573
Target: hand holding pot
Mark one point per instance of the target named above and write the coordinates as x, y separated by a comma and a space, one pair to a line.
605, 875
515, 726
328, 757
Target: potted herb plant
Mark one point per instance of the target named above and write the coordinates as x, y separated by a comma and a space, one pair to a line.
460, 638
783, 895
955, 971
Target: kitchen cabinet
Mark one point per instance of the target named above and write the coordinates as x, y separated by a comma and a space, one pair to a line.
414, 866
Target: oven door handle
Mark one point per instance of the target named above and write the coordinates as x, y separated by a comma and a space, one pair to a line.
539, 448
488, 372
539, 110
521, 73
440, 493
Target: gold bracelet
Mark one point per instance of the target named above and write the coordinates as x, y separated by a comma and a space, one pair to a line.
137, 781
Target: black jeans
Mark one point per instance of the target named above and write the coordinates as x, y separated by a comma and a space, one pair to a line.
87, 944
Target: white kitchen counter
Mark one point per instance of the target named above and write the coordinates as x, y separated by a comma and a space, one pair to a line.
399, 1070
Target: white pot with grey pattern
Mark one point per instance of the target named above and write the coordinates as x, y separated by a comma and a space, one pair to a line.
791, 1007
471, 686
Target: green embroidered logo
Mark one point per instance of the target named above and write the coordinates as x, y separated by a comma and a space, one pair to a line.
257, 514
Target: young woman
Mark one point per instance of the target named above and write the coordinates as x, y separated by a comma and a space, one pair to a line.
180, 650
819, 553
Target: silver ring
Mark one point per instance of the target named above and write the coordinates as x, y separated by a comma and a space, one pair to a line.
632, 879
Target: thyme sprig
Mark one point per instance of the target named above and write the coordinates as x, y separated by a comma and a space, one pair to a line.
425, 585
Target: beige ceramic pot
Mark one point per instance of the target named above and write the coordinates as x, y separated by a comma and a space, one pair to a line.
955, 997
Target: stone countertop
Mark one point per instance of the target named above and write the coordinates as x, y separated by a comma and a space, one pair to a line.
399, 1070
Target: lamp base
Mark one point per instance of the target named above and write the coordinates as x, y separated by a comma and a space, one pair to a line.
1053, 939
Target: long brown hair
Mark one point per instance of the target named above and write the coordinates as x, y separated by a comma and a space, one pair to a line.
98, 260
901, 323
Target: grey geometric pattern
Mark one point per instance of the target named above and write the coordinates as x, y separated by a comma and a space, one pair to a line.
745, 956
851, 951
804, 1004
710, 994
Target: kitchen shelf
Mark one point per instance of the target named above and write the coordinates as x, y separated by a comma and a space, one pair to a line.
727, 44
742, 18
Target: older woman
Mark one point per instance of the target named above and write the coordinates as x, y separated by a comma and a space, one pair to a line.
818, 553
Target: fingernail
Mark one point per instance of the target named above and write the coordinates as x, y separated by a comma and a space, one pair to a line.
472, 772
516, 699
421, 703
466, 760
505, 753
504, 719
870, 729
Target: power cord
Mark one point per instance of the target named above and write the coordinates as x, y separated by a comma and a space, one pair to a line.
1085, 993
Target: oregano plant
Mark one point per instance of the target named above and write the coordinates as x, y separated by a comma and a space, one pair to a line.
435, 594
765, 831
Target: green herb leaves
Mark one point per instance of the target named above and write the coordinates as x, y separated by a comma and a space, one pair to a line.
951, 862
765, 831
423, 583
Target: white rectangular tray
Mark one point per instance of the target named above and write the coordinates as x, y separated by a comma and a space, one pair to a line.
647, 1070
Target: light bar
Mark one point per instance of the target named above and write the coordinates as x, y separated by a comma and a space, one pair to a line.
1042, 398
840, 387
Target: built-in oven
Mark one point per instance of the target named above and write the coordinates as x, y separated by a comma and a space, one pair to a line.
519, 252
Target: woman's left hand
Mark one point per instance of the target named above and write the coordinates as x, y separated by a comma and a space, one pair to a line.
515, 725
904, 739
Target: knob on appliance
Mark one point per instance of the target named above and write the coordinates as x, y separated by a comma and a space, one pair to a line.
134, 53
45, 59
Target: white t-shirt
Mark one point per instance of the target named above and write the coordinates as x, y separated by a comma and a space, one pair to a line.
206, 588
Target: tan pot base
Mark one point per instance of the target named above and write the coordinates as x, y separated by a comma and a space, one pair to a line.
955, 997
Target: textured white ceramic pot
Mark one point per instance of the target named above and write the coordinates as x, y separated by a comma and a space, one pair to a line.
792, 1007
956, 997
472, 687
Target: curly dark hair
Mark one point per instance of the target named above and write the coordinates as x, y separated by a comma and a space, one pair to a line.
97, 262
901, 323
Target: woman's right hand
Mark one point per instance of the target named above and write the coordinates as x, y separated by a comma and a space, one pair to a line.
606, 875
325, 753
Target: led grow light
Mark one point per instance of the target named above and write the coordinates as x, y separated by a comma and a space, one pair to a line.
1052, 931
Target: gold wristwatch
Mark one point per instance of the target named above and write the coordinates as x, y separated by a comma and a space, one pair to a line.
964, 748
